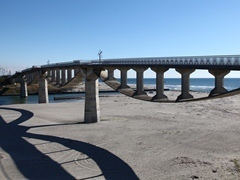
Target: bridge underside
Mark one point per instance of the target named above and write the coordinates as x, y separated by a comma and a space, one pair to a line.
71, 74
114, 84
91, 75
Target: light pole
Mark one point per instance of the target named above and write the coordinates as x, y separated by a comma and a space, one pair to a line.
100, 55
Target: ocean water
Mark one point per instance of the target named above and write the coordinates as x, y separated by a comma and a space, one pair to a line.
196, 84
33, 99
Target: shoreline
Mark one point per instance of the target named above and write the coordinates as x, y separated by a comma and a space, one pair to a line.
79, 96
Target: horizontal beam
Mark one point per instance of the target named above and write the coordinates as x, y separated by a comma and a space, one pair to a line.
230, 62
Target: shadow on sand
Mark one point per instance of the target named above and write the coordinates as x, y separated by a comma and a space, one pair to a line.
33, 164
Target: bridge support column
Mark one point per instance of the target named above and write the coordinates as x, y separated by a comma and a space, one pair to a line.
69, 75
63, 71
58, 76
23, 88
140, 88
110, 73
185, 73
43, 88
92, 108
219, 76
124, 78
53, 75
49, 73
159, 84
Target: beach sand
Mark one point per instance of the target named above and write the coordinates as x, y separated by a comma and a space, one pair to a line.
134, 140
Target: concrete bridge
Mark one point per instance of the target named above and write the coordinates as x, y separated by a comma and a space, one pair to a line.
71, 73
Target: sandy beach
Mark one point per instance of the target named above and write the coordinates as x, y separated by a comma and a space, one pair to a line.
134, 140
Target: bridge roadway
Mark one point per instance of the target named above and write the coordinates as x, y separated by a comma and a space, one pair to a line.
70, 73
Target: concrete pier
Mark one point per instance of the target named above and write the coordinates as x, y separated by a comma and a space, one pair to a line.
53, 75
23, 87
219, 76
159, 84
43, 88
92, 107
110, 73
58, 81
124, 71
185, 73
63, 72
140, 88
49, 73
69, 75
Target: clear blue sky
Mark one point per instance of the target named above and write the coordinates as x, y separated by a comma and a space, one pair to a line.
35, 31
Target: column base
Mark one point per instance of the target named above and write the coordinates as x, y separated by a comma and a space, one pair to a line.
23, 97
90, 117
184, 96
43, 88
217, 91
161, 97
23, 88
139, 93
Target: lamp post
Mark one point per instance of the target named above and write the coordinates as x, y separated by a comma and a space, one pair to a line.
100, 55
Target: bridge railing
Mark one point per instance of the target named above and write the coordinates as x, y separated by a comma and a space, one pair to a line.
232, 61
201, 60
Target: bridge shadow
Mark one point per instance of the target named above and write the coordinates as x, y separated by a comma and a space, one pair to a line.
33, 164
